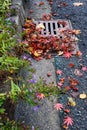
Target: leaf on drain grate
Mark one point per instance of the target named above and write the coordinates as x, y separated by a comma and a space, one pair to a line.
38, 26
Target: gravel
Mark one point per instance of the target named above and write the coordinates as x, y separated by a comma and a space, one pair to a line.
77, 15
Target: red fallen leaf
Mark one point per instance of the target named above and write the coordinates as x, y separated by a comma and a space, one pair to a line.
73, 82
41, 3
50, 3
77, 72
62, 22
68, 120
49, 56
84, 68
71, 65
74, 88
46, 16
48, 74
59, 84
78, 53
58, 106
39, 58
67, 88
67, 111
31, 11
59, 72
62, 80
64, 4
67, 54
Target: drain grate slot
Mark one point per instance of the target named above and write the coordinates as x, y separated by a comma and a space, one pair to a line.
52, 27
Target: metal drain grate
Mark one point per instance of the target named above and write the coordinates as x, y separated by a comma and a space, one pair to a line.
53, 27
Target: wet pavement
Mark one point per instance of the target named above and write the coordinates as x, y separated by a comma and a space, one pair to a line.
78, 16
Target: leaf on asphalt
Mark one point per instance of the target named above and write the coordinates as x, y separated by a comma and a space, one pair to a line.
59, 72
78, 53
83, 96
41, 3
76, 31
84, 68
62, 80
71, 101
77, 3
71, 65
67, 54
67, 88
67, 111
77, 72
68, 120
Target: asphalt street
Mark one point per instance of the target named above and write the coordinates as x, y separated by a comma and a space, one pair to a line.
77, 14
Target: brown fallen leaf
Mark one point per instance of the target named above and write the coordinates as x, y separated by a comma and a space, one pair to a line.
41, 3
76, 31
77, 3
78, 53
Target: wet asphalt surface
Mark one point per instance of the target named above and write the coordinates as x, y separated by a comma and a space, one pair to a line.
78, 17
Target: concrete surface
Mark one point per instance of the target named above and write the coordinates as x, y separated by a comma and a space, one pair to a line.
46, 118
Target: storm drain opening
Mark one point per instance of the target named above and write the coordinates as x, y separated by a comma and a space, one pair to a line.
53, 27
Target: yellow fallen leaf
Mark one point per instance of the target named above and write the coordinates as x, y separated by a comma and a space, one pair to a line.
77, 3
36, 54
60, 53
83, 96
71, 101
40, 26
30, 49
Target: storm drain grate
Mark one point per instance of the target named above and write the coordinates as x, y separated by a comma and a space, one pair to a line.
53, 27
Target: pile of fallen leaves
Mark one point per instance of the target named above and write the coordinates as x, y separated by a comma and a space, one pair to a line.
40, 46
